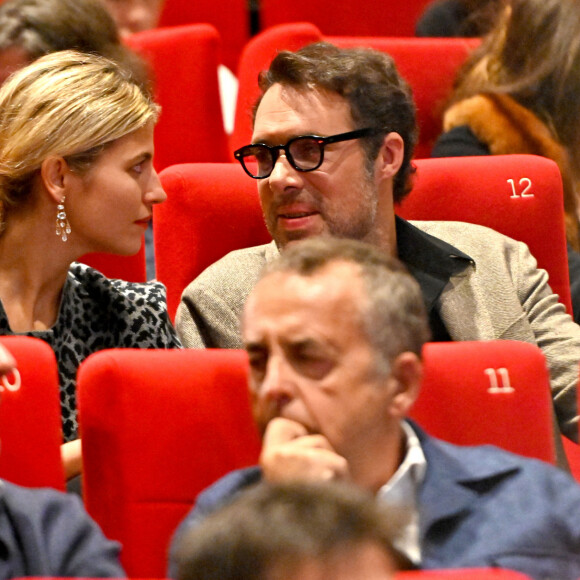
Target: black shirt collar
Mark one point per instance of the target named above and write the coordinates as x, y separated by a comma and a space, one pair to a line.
431, 262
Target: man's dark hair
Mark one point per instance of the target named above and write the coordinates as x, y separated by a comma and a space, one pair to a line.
370, 83
280, 526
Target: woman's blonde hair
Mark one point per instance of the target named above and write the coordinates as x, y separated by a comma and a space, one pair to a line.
65, 104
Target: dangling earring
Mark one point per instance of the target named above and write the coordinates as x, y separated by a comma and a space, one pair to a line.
62, 225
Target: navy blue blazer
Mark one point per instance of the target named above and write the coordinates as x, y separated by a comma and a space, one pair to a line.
478, 507
47, 533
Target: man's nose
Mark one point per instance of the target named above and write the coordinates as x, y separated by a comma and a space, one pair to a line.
277, 384
283, 174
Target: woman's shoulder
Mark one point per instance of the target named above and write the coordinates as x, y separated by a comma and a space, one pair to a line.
90, 286
134, 314
89, 282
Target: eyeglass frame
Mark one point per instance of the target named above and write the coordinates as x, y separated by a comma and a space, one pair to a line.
322, 142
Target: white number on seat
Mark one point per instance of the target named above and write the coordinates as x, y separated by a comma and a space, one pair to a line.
504, 380
525, 184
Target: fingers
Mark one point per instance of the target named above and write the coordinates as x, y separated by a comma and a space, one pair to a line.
289, 453
280, 430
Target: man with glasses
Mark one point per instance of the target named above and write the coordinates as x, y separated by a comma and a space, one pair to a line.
334, 133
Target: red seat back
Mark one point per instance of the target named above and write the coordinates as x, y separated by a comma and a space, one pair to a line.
184, 62
159, 426
519, 196
495, 392
211, 209
387, 18
30, 417
129, 268
230, 17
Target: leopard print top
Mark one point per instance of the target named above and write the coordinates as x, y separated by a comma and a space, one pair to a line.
97, 313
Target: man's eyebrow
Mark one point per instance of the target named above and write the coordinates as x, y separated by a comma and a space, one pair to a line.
254, 346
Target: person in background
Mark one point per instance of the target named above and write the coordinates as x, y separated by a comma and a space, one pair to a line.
518, 94
138, 15
135, 15
76, 176
294, 530
30, 29
47, 533
334, 331
462, 18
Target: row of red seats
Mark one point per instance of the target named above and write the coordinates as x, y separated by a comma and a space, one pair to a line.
237, 19
185, 60
158, 426
213, 208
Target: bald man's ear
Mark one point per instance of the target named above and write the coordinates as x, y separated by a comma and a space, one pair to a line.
407, 371
391, 155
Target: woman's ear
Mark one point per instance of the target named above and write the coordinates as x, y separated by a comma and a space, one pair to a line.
54, 173
407, 371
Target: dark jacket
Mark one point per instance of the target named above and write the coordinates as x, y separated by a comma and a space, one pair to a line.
47, 533
478, 507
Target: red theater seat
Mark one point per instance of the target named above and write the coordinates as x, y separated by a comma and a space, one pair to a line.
157, 427
211, 209
184, 61
387, 18
30, 417
230, 17
517, 195
495, 392
129, 268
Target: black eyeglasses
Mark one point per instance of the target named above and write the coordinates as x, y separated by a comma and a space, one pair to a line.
304, 153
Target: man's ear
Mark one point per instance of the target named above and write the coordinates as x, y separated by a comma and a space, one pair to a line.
391, 155
54, 173
407, 371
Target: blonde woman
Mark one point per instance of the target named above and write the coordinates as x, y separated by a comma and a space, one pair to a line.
76, 176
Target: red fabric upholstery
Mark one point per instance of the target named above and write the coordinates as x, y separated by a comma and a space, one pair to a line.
184, 62
479, 190
157, 427
494, 392
464, 574
229, 17
129, 268
257, 55
430, 66
387, 18
211, 209
30, 419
